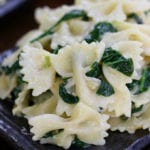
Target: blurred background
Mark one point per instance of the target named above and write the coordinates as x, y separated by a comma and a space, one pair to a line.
16, 19
21, 19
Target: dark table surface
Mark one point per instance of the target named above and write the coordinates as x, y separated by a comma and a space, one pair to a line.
15, 24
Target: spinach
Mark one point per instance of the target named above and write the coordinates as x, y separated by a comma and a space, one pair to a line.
9, 70
105, 88
99, 30
66, 97
18, 88
135, 17
147, 12
114, 59
132, 86
136, 109
143, 84
95, 71
80, 144
52, 133
56, 50
73, 14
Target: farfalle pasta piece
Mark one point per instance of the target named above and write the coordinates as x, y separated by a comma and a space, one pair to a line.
22, 101
70, 32
37, 69
10, 60
85, 123
131, 49
92, 52
45, 107
128, 35
61, 106
30, 36
130, 125
63, 36
144, 119
85, 94
133, 123
122, 96
47, 17
7, 84
141, 99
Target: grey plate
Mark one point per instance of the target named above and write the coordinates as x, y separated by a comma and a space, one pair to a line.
16, 131
9, 6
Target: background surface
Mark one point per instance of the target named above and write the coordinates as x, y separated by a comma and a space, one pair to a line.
14, 25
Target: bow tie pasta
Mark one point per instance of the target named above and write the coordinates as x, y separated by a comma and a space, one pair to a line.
83, 122
83, 71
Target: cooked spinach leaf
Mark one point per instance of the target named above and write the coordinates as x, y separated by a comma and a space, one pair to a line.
114, 59
105, 88
18, 88
52, 133
95, 71
9, 70
133, 86
56, 50
143, 84
136, 109
99, 30
73, 14
66, 97
80, 144
147, 12
135, 17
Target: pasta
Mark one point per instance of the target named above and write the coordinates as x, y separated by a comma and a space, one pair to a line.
83, 71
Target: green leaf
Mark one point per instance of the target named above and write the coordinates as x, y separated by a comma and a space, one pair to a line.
73, 14
114, 59
132, 86
105, 88
99, 30
142, 85
14, 68
80, 144
66, 97
136, 109
144, 82
52, 133
56, 50
147, 12
135, 17
95, 70
18, 88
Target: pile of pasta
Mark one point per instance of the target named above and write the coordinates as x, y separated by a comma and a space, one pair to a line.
85, 70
